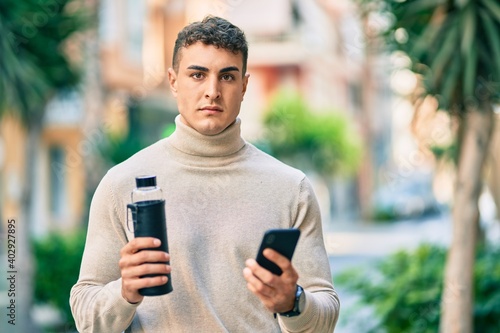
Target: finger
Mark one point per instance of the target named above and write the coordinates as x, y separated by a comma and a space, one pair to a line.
134, 272
276, 257
149, 256
251, 278
260, 272
256, 285
274, 299
267, 301
139, 258
263, 294
133, 285
140, 243
283, 262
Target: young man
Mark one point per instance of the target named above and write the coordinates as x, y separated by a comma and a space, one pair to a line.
222, 194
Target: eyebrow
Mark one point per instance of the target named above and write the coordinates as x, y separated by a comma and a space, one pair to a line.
205, 69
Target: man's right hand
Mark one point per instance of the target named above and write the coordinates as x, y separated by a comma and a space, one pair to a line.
135, 263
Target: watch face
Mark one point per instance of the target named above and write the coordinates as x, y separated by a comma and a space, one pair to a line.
298, 297
299, 292
301, 303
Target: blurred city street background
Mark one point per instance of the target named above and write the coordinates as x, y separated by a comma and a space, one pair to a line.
385, 105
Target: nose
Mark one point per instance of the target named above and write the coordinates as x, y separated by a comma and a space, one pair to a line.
212, 91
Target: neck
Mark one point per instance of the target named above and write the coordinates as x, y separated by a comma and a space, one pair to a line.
187, 140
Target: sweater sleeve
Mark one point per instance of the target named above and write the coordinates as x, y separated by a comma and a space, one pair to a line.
96, 301
322, 304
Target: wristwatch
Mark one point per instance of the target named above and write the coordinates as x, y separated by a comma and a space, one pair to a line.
297, 306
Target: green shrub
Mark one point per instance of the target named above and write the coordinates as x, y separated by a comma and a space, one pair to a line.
58, 257
321, 140
404, 290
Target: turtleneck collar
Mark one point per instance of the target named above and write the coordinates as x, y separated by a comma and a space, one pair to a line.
189, 141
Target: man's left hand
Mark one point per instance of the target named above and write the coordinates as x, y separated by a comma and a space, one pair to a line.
277, 293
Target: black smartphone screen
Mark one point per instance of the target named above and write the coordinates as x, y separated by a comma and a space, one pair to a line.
283, 241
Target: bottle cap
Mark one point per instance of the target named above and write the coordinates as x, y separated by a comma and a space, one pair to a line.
145, 181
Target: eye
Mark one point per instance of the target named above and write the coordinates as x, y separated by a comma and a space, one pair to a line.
197, 75
227, 77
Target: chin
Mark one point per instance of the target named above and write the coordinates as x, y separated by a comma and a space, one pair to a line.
210, 129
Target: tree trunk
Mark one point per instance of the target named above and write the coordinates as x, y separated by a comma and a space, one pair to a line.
27, 267
458, 294
493, 177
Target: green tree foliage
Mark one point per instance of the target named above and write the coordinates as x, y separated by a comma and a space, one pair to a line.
58, 257
33, 65
405, 290
322, 141
453, 45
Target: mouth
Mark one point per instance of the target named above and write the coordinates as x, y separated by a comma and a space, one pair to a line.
211, 108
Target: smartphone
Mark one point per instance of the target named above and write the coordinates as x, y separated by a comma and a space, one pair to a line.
283, 241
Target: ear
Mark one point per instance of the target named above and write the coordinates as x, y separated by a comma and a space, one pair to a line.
245, 83
172, 80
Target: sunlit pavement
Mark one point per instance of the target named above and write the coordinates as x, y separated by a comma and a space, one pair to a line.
348, 243
378, 239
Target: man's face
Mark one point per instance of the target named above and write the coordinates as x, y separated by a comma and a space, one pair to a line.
209, 87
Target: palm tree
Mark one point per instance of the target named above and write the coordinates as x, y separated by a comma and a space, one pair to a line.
454, 47
33, 67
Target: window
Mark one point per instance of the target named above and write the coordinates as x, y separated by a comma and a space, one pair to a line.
121, 23
134, 25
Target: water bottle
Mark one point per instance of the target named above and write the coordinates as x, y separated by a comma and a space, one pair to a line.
148, 216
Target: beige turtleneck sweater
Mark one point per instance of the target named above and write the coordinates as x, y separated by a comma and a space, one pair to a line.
221, 195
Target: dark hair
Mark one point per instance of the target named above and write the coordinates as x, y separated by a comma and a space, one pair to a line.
214, 31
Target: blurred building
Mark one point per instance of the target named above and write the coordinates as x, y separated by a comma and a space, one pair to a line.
55, 198
315, 47
323, 49
294, 44
57, 167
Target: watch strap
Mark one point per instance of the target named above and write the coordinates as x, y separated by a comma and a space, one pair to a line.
296, 306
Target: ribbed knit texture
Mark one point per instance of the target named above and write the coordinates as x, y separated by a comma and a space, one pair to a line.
221, 195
